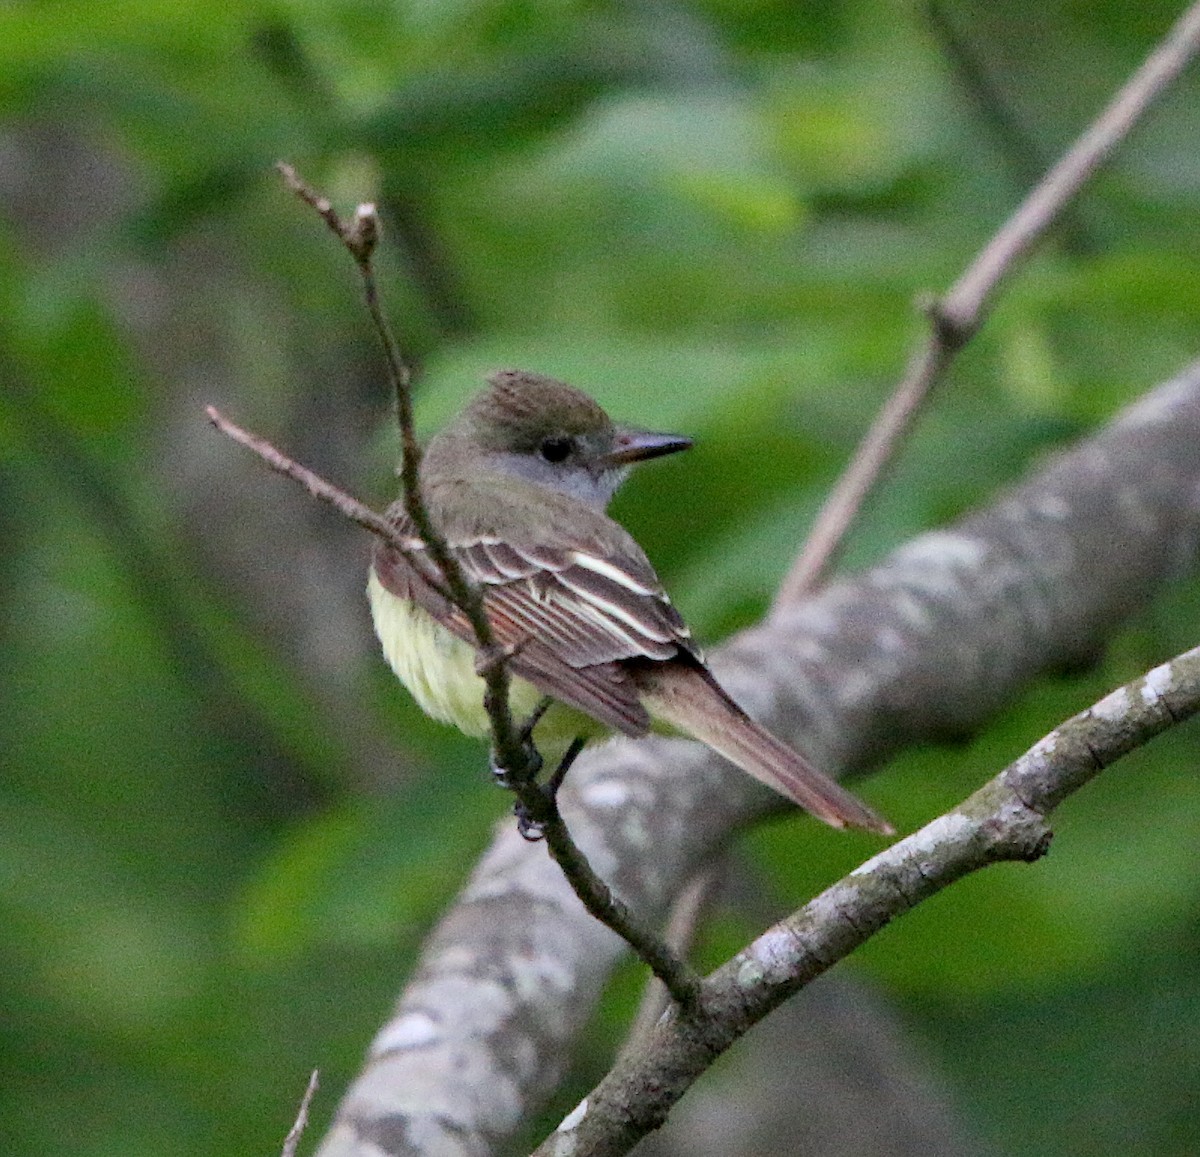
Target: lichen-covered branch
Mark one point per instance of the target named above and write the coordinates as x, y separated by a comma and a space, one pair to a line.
930, 643
1005, 820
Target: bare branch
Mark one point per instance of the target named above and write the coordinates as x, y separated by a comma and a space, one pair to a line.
292, 1141
957, 317
668, 966
1003, 821
961, 311
359, 238
536, 804
878, 447
346, 504
686, 914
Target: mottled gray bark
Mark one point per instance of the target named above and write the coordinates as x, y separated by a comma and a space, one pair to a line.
1005, 820
832, 1073
929, 643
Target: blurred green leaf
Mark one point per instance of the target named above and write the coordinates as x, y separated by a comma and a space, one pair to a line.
221, 823
370, 875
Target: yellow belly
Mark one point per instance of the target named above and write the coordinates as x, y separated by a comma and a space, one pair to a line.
439, 671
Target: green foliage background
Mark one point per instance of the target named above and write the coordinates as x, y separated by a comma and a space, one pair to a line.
223, 829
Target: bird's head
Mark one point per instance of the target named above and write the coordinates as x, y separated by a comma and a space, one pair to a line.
546, 432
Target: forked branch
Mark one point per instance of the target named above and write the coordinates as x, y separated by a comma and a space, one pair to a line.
513, 751
956, 318
1005, 820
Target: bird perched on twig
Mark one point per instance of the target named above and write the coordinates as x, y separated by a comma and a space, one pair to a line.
517, 485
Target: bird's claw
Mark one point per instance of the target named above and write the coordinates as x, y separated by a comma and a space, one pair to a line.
531, 760
529, 828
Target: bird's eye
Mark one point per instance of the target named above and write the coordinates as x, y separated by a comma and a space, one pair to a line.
555, 449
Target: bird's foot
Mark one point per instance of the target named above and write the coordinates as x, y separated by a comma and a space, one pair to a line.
537, 804
564, 765
531, 764
529, 828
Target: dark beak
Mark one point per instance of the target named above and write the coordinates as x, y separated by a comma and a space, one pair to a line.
638, 445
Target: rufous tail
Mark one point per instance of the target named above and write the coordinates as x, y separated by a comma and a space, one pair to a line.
691, 701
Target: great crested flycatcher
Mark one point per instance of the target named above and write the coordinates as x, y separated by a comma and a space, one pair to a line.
517, 485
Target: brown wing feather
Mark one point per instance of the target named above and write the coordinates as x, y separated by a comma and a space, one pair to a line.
592, 609
572, 661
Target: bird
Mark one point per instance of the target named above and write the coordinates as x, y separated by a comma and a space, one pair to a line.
517, 485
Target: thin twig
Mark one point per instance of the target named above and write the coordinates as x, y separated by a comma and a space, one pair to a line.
875, 451
961, 312
292, 1141
686, 914
1005, 820
679, 978
345, 504
360, 238
957, 317
513, 749
539, 818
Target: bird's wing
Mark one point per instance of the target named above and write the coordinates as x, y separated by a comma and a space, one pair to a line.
592, 607
571, 614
